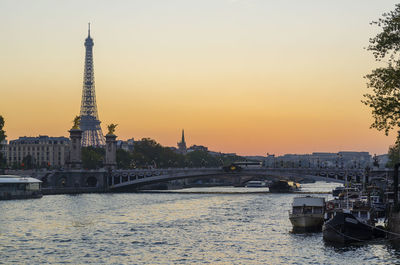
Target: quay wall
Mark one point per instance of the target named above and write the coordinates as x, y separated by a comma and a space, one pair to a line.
71, 190
393, 225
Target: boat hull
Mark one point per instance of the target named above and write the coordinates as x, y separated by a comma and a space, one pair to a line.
306, 222
20, 195
344, 228
283, 186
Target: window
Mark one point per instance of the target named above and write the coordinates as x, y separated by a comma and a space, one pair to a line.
33, 186
297, 210
364, 215
307, 209
318, 210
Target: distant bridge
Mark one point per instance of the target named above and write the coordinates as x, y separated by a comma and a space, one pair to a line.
116, 180
125, 179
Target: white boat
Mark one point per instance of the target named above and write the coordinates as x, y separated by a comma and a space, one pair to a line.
17, 187
256, 184
307, 214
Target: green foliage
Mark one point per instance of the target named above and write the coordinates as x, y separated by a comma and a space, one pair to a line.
124, 159
92, 157
386, 44
3, 136
27, 162
148, 153
202, 159
394, 153
385, 81
229, 159
385, 99
2, 132
3, 161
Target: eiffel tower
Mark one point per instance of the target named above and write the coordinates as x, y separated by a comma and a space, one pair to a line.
90, 123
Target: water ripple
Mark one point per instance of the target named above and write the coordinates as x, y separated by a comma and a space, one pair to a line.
167, 229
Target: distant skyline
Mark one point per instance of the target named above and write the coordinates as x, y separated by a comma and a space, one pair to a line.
245, 76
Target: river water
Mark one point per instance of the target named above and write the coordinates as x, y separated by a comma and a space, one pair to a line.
169, 228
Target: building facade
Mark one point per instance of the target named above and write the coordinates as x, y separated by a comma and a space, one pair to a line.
128, 145
342, 159
197, 148
42, 151
4, 148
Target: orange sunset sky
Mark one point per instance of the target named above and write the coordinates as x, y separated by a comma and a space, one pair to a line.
244, 76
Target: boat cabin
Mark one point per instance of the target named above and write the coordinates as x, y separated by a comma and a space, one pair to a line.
17, 187
308, 205
255, 184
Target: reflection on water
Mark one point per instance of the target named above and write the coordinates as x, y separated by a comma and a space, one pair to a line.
168, 229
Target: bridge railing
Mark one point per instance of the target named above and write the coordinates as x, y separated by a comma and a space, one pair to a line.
123, 176
120, 176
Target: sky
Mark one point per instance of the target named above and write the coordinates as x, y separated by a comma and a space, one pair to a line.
245, 76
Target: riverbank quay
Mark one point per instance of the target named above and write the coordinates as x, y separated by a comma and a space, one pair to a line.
58, 191
393, 226
225, 192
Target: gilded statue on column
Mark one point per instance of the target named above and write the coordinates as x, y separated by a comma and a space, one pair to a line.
111, 128
77, 122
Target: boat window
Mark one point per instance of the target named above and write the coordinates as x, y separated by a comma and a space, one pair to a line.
318, 210
364, 215
21, 186
297, 210
307, 209
33, 186
7, 186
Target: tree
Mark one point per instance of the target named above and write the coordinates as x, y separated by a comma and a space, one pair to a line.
202, 159
148, 152
385, 81
27, 162
2, 132
2, 137
92, 157
124, 159
394, 153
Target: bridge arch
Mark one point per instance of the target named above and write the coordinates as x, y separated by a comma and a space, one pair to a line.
145, 177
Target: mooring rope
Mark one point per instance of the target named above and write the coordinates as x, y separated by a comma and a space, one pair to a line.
362, 240
340, 233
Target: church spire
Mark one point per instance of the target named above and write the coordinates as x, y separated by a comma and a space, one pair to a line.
182, 144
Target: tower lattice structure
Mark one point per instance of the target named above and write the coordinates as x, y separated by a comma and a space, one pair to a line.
90, 123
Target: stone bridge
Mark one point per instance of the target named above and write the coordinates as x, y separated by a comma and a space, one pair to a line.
129, 179
115, 180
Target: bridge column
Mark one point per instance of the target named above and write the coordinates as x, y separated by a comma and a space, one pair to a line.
112, 180
75, 155
111, 151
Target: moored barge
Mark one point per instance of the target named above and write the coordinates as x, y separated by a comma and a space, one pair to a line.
307, 214
281, 186
17, 187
